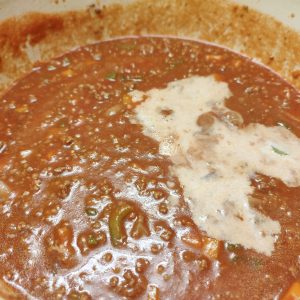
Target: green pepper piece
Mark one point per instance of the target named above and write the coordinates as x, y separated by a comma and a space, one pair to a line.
112, 76
116, 223
90, 211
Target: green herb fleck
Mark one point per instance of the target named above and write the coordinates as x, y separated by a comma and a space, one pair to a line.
51, 68
106, 95
97, 57
65, 62
112, 76
137, 78
92, 240
278, 151
255, 262
91, 211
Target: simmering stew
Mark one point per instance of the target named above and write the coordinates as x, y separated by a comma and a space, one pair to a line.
97, 202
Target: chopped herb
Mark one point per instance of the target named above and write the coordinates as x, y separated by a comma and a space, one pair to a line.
278, 151
106, 95
91, 211
97, 57
68, 73
51, 68
111, 76
140, 228
92, 240
137, 78
255, 262
65, 62
232, 247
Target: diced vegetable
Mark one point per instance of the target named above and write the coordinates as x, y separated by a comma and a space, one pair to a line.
116, 223
232, 247
192, 241
127, 99
293, 293
114, 110
153, 293
211, 247
68, 73
22, 109
140, 227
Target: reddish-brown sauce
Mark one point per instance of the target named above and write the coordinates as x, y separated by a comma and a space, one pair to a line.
72, 161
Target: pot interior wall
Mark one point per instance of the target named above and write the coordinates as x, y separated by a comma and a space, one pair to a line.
56, 28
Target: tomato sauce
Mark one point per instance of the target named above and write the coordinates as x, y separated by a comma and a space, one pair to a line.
86, 198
